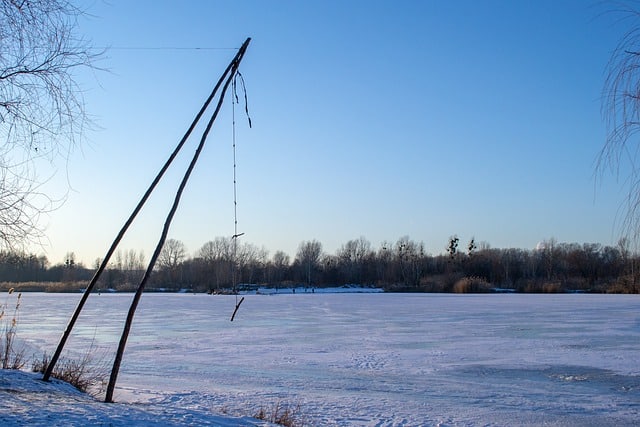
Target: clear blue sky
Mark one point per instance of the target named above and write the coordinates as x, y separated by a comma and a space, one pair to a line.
370, 118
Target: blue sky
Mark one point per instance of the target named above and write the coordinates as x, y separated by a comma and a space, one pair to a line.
370, 118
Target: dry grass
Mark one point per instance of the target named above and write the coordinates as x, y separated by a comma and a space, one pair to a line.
624, 285
61, 287
284, 415
84, 374
10, 358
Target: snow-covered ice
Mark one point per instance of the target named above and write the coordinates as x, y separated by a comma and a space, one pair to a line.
357, 359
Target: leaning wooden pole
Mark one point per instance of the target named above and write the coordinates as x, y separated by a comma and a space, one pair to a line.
165, 230
125, 227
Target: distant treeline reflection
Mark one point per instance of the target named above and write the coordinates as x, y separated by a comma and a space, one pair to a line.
403, 266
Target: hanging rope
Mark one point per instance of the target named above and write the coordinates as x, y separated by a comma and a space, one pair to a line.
236, 235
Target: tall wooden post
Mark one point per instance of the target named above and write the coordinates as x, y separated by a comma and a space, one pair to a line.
229, 75
125, 227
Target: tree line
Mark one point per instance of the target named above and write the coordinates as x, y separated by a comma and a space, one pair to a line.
224, 265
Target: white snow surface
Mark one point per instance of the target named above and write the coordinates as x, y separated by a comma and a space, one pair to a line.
27, 400
367, 359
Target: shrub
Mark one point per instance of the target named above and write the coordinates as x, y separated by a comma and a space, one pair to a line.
552, 288
544, 287
433, 283
471, 284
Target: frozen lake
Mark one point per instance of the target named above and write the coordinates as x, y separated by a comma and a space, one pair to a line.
368, 359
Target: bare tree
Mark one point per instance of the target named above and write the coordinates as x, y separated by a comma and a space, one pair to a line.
217, 256
132, 266
621, 111
280, 263
281, 260
172, 254
384, 263
21, 204
42, 111
410, 256
308, 258
170, 260
352, 257
549, 256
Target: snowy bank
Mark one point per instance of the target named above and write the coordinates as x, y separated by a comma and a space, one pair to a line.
345, 289
27, 400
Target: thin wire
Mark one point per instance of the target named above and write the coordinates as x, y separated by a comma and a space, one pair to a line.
161, 48
109, 48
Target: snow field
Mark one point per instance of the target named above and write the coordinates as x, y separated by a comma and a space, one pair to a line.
367, 359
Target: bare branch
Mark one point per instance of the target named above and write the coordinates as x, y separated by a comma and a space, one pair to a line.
42, 112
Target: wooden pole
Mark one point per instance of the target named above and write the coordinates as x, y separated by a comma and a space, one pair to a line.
229, 73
